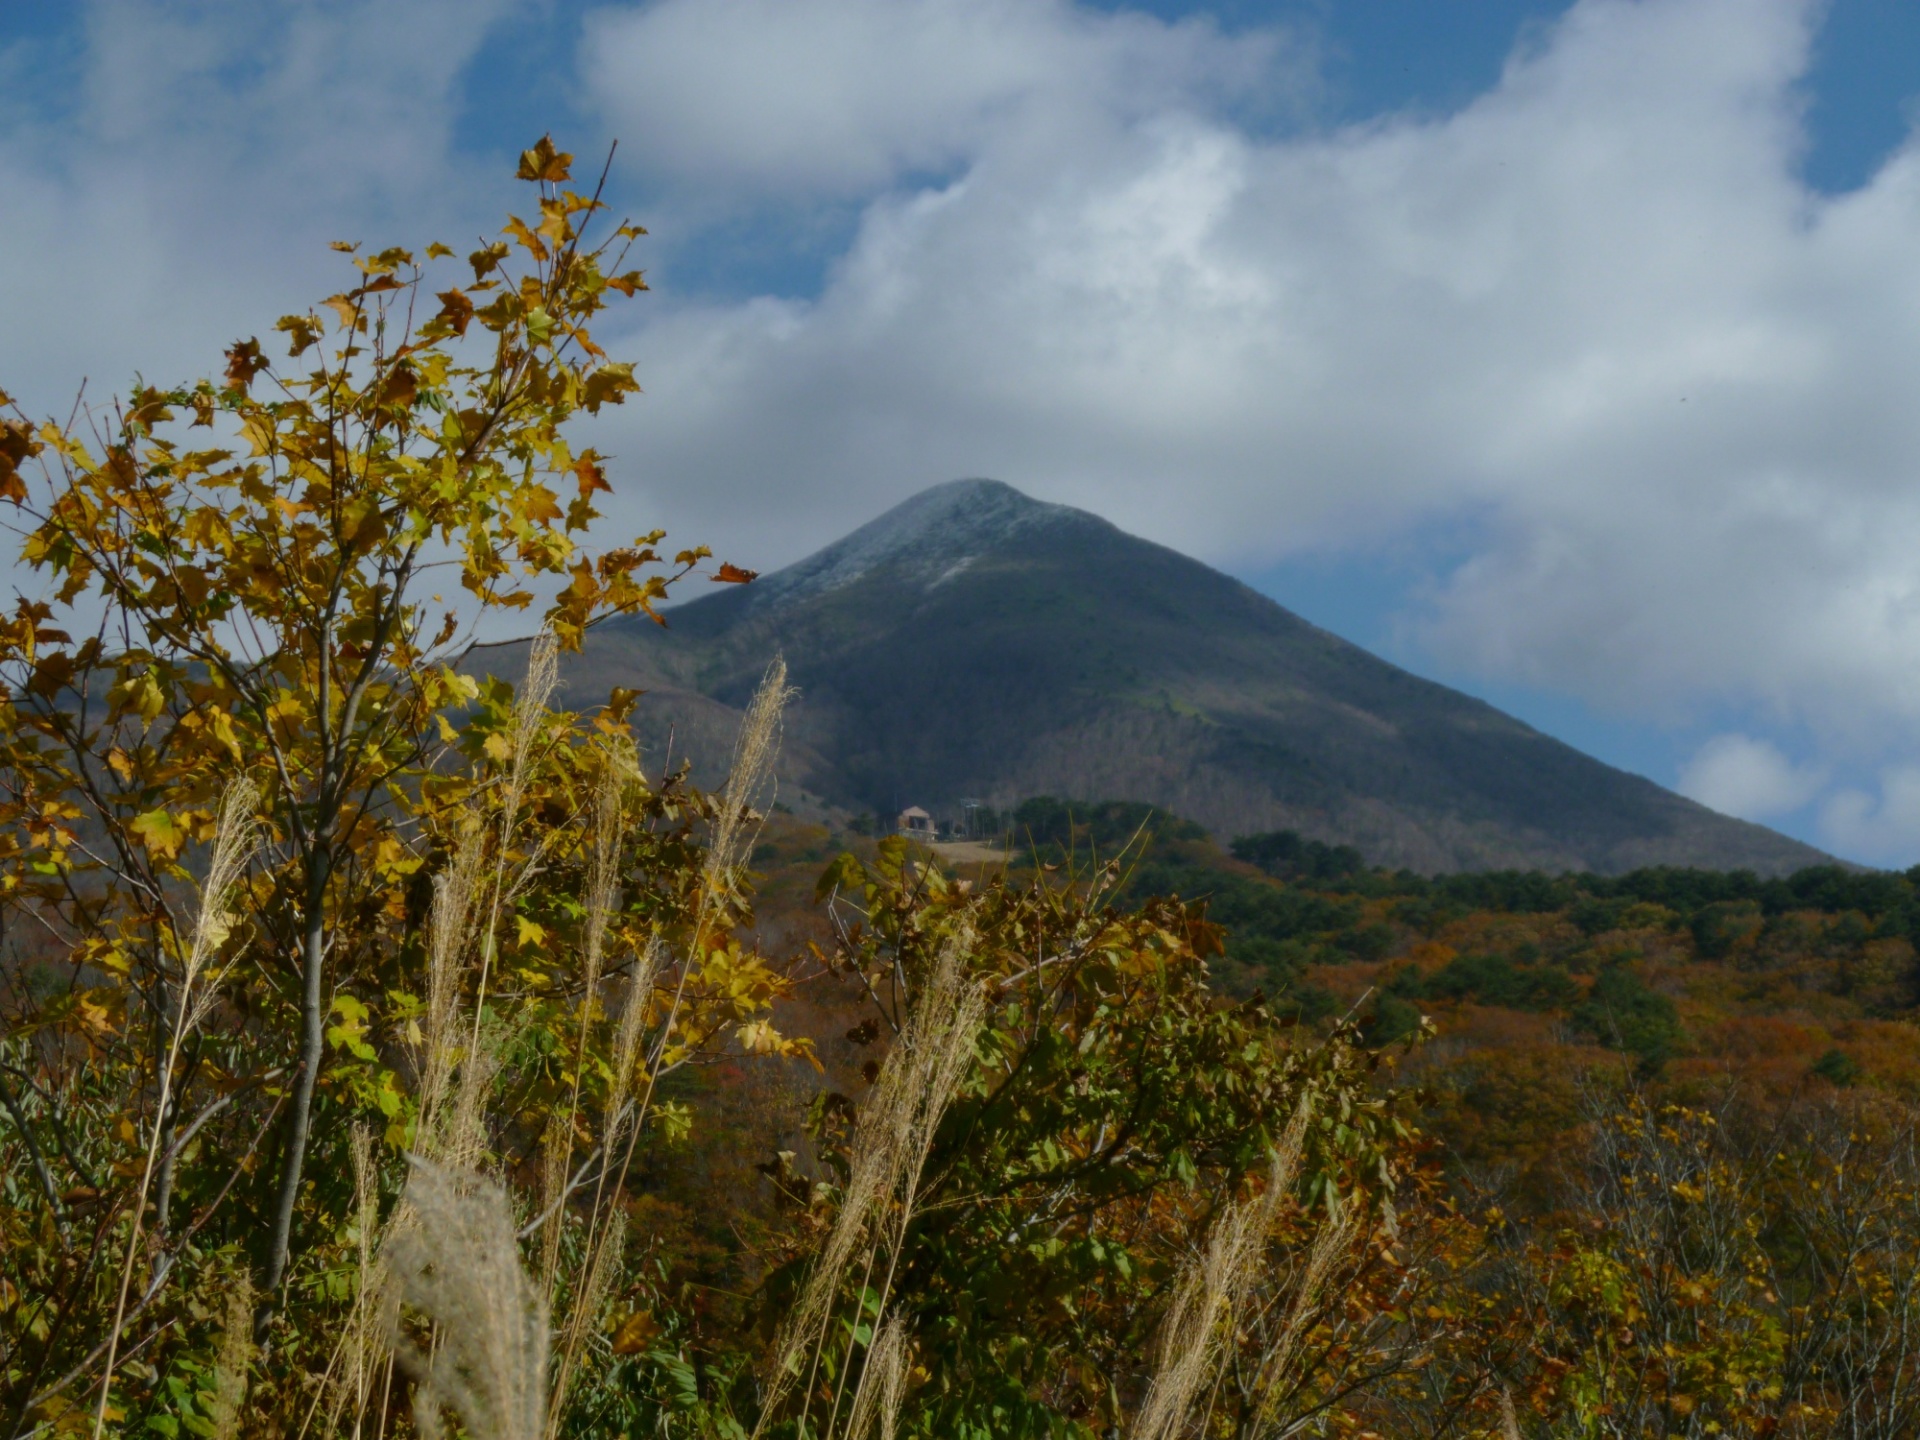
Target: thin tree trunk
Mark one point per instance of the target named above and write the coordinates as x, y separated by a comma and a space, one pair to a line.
312, 1034
163, 1183
39, 1161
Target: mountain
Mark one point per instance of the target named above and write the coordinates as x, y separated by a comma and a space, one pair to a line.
974, 642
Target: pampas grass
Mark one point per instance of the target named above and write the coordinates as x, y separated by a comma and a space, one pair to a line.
236, 837
448, 928
618, 766
556, 1156
1275, 1369
523, 730
606, 1233
365, 1344
876, 1409
456, 1263
755, 750
444, 1293
1210, 1292
454, 1080
633, 1018
1509, 1421
892, 1136
236, 1353
941, 1043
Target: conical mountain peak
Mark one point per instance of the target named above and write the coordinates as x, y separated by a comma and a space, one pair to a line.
935, 534
975, 642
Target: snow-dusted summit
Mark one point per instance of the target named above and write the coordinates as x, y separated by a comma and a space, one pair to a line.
934, 536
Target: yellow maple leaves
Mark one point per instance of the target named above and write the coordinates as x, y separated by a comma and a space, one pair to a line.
160, 832
544, 163
256, 606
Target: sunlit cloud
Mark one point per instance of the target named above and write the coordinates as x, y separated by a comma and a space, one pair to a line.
1739, 775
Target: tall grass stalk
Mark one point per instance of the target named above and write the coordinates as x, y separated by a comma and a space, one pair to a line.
235, 1356
236, 836
529, 716
633, 1028
366, 1344
952, 1011
556, 1155
618, 767
1208, 1296
448, 936
892, 1136
457, 1264
442, 1208
755, 749
449, 1132
876, 1407
459, 922
605, 1220
1509, 1421
1272, 1379
449, 1126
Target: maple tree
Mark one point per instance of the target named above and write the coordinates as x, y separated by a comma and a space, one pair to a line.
251, 613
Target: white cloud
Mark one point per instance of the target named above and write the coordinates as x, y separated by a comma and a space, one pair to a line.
1596, 311
1882, 829
183, 193
1593, 320
778, 99
1739, 775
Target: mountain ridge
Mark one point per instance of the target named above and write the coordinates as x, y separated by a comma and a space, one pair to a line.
975, 642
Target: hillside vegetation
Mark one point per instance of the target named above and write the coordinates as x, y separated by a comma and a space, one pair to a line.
391, 1046
1531, 982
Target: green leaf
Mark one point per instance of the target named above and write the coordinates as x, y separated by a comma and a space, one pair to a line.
845, 873
160, 833
350, 1033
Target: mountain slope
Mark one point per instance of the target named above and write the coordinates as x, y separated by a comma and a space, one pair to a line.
973, 642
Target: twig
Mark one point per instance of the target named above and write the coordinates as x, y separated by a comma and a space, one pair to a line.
39, 1164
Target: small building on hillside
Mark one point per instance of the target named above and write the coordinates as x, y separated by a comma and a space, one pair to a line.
916, 823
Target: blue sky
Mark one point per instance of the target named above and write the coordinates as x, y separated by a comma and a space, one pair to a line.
1569, 353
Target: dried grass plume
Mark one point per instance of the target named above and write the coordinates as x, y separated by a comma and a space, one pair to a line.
236, 1354
456, 1264
895, 1130
1211, 1291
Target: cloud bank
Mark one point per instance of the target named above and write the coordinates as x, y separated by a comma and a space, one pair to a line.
1596, 314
